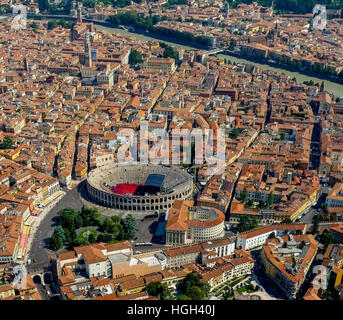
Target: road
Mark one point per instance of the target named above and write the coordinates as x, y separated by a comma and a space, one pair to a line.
259, 276
47, 291
40, 243
313, 211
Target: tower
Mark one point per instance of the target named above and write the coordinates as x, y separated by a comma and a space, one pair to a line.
26, 64
322, 87
276, 32
88, 50
141, 92
181, 100
227, 11
79, 13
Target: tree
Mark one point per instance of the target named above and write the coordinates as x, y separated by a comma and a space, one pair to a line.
325, 208
232, 44
107, 225
52, 24
96, 216
250, 203
228, 293
59, 232
68, 235
90, 217
234, 133
7, 143
282, 136
130, 227
272, 235
254, 223
115, 219
93, 235
270, 200
121, 234
244, 195
183, 297
135, 57
193, 287
244, 224
195, 293
159, 289
247, 223
70, 219
81, 239
34, 26
43, 5
287, 220
261, 204
56, 242
326, 239
169, 52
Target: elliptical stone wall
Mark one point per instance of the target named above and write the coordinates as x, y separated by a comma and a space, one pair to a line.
177, 184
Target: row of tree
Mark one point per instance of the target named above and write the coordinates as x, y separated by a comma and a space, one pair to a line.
160, 290
52, 24
315, 68
132, 18
94, 227
190, 288
113, 3
291, 6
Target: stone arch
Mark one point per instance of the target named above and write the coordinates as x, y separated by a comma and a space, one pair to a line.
47, 276
37, 278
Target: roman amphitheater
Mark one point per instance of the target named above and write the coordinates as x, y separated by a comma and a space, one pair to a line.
138, 187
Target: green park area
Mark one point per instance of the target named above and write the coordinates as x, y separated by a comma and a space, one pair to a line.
88, 226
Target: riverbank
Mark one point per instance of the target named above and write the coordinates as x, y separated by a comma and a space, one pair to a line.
287, 67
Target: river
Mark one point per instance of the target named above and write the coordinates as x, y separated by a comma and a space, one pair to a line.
332, 87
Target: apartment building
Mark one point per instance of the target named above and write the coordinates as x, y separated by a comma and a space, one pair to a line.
287, 259
257, 237
335, 196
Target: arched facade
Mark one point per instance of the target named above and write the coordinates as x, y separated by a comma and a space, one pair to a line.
177, 185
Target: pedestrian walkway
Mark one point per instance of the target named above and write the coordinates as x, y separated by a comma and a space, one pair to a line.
35, 222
